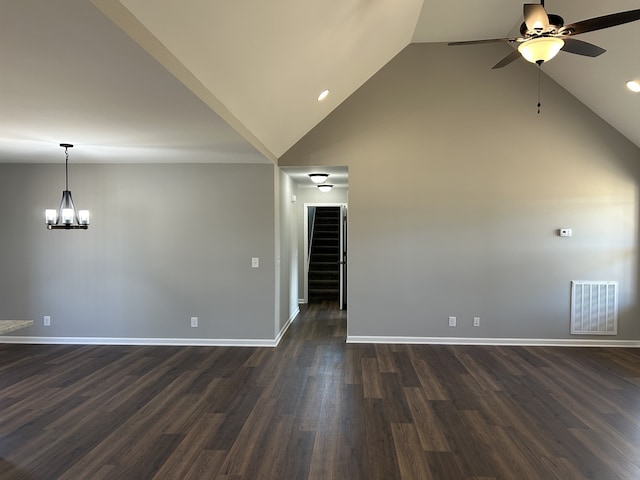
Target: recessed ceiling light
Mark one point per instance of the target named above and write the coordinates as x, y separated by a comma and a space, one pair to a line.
634, 86
323, 95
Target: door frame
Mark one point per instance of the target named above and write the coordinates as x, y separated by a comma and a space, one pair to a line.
344, 217
305, 237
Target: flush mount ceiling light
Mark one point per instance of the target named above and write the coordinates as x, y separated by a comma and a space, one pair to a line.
541, 49
634, 86
323, 95
318, 177
324, 188
66, 217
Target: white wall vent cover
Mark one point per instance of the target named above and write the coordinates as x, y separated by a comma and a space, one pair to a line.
594, 308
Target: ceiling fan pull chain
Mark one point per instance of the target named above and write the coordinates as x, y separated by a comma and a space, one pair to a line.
539, 104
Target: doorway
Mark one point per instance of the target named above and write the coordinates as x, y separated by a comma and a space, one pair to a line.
325, 253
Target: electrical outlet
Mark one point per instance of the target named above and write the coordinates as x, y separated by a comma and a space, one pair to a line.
47, 321
194, 322
476, 321
452, 321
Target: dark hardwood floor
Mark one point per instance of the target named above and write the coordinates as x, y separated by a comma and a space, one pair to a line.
317, 408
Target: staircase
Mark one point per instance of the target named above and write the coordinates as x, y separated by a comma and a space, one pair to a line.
324, 262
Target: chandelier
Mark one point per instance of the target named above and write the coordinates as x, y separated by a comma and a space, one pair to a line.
66, 217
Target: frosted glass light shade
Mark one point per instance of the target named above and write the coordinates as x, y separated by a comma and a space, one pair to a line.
83, 217
50, 216
542, 49
325, 188
318, 177
67, 216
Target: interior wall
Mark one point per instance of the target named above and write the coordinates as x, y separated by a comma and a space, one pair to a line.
457, 189
287, 258
167, 242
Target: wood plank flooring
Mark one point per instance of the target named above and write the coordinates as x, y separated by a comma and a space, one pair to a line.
317, 408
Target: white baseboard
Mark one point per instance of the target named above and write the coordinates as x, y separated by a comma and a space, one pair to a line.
161, 342
302, 301
222, 342
173, 342
284, 329
540, 342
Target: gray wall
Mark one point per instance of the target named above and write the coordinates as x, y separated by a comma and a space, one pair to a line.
457, 188
167, 242
287, 251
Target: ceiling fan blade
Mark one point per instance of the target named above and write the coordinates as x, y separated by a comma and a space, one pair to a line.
507, 60
598, 23
573, 45
535, 17
490, 40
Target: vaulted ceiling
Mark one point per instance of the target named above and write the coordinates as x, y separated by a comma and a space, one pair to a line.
238, 81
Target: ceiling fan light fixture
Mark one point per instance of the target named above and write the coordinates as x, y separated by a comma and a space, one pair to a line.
541, 49
634, 86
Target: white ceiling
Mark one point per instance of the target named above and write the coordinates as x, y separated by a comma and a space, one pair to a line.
237, 81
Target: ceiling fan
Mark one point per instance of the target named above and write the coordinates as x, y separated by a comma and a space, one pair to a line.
543, 35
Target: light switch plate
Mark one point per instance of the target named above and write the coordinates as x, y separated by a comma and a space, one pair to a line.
255, 262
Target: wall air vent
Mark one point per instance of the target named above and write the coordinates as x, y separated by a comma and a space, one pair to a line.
594, 308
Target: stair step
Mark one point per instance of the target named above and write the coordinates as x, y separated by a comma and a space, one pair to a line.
328, 212
324, 262
324, 285
325, 274
328, 269
333, 251
325, 248
335, 273
323, 245
321, 291
325, 236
